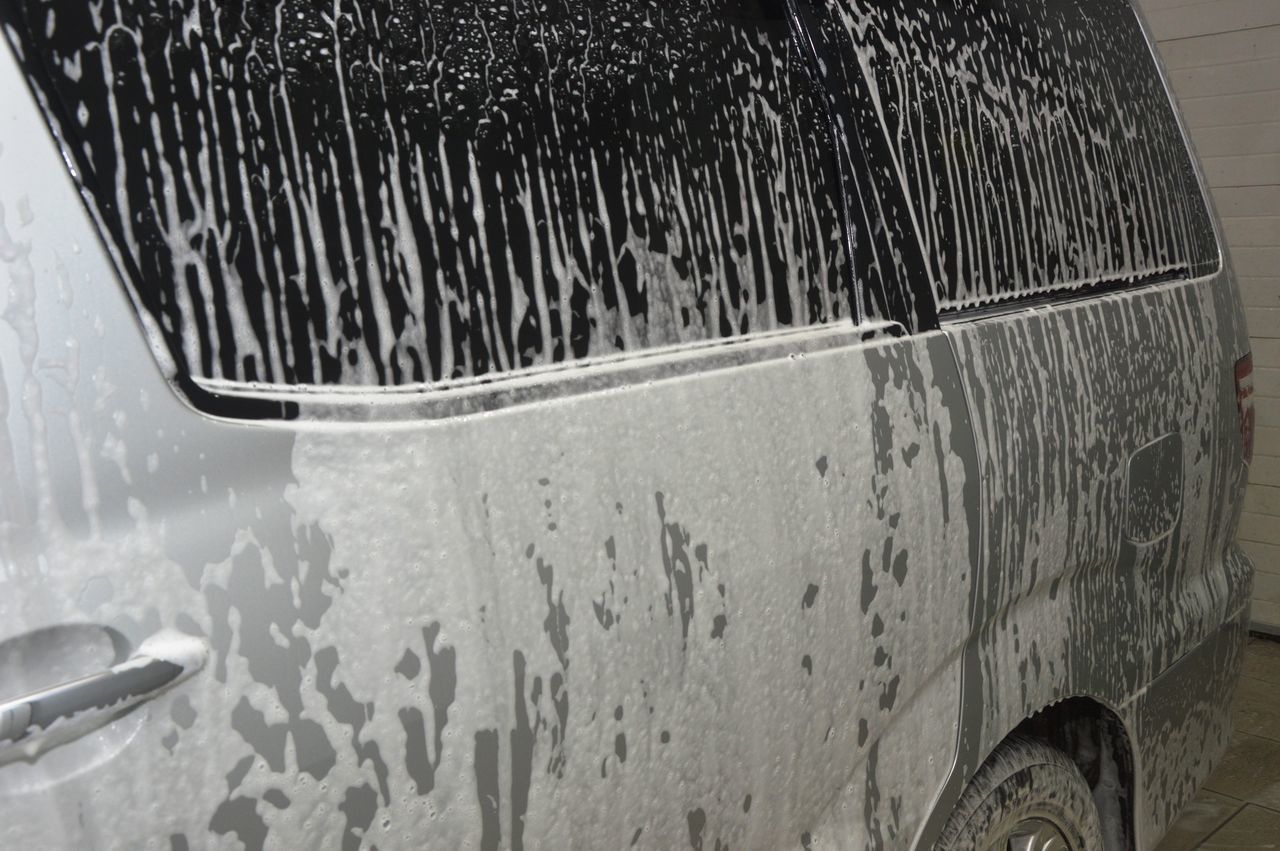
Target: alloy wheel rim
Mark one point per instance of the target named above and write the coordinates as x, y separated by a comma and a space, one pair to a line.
1037, 834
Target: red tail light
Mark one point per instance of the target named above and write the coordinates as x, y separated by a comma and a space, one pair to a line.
1244, 404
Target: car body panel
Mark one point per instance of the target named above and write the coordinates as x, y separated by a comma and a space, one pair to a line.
790, 592
1078, 596
448, 629
1181, 725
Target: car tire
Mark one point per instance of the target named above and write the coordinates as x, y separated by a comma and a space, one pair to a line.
1026, 795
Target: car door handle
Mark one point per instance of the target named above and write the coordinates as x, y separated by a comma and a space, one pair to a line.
35, 722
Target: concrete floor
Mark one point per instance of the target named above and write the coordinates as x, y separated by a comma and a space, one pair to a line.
1239, 806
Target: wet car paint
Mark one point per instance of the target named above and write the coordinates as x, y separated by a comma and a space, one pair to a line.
415, 646
579, 621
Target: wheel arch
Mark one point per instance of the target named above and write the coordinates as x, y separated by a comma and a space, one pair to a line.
1098, 741
1096, 738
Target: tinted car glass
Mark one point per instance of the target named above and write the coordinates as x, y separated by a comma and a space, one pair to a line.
1033, 141
387, 193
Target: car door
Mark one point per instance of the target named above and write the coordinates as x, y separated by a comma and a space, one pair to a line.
617, 574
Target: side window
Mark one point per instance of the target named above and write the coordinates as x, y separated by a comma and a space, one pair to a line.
1033, 142
388, 193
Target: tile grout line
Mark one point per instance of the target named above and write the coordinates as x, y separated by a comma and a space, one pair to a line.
1225, 822
1274, 741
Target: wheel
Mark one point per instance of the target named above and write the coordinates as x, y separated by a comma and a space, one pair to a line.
1026, 797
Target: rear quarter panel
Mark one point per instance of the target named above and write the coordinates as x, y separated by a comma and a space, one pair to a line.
1075, 600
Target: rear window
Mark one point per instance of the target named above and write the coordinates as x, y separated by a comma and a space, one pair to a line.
386, 193
1033, 141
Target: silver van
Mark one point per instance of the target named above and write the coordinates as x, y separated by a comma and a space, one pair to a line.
599, 424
